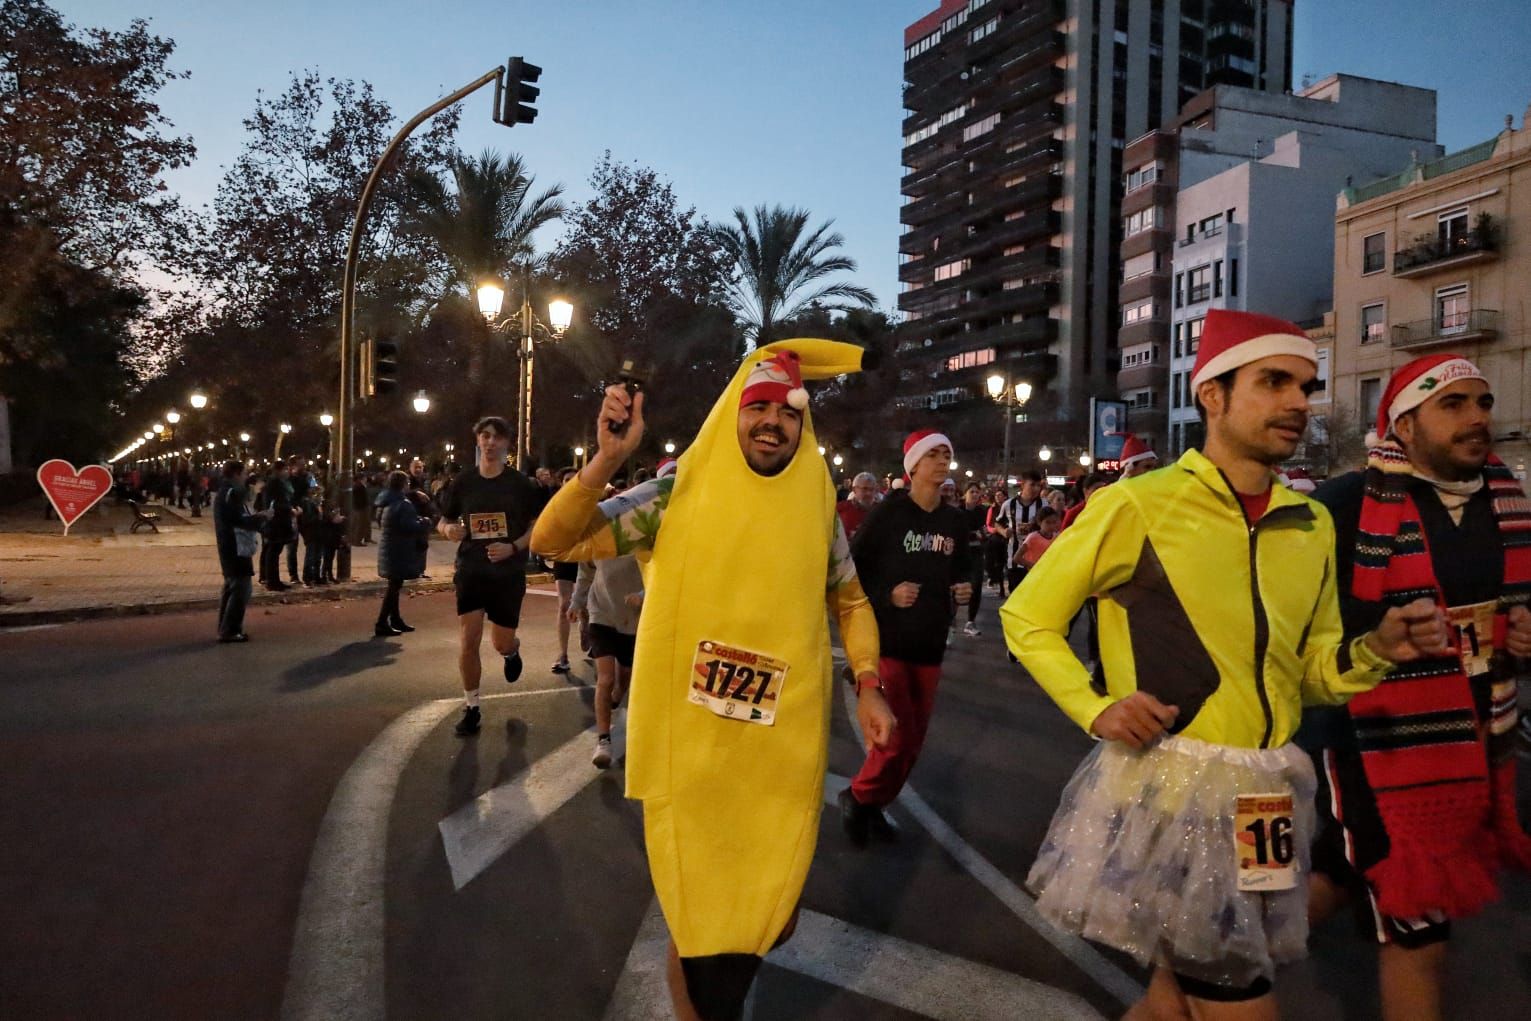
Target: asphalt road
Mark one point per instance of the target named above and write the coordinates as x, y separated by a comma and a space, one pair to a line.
290, 828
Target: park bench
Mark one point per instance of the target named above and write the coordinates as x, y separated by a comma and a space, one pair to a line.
142, 518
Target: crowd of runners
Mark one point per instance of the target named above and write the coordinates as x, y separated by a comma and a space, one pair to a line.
1300, 701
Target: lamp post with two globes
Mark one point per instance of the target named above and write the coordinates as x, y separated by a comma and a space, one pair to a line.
491, 297
1011, 397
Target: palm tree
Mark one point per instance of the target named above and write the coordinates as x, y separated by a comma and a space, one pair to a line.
780, 269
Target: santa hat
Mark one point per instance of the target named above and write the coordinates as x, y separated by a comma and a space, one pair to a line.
920, 443
1231, 339
896, 484
1298, 481
1135, 450
778, 379
1415, 383
666, 468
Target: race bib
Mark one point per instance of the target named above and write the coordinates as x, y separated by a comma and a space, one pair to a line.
1473, 628
736, 683
488, 526
1264, 842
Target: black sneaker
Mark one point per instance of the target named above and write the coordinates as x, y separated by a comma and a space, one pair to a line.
513, 667
468, 725
561, 667
880, 826
399, 626
853, 818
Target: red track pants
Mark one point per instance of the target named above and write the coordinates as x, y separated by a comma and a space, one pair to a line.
910, 689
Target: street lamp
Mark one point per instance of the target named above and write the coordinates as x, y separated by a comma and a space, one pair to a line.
326, 419
838, 460
198, 400
244, 437
1001, 389
1085, 461
491, 299
821, 450
422, 403
579, 455
669, 447
172, 417
1044, 454
158, 428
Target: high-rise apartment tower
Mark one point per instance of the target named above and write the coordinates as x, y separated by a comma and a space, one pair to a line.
1016, 115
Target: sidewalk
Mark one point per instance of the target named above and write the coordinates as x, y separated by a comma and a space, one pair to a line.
101, 569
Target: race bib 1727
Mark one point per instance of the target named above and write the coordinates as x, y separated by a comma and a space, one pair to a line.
1264, 842
736, 683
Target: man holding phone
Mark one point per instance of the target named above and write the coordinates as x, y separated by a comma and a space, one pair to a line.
489, 511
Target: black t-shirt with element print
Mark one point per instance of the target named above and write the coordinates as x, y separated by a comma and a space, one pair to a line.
899, 542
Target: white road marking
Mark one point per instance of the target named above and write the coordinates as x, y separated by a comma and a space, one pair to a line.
26, 627
335, 971
1084, 956
479, 832
880, 967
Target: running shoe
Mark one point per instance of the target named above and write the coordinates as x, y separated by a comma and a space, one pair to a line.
880, 826
513, 667
853, 818
971, 629
468, 725
602, 757
561, 666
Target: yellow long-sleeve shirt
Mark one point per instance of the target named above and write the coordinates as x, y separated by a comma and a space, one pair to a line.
1236, 623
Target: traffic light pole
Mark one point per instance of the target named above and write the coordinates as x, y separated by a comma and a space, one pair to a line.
343, 438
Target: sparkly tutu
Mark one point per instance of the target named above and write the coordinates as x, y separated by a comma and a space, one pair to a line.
1140, 856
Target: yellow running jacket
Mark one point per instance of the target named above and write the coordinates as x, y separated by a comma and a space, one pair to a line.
1237, 623
741, 569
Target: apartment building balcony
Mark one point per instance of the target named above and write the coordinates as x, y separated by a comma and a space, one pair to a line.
1143, 331
923, 210
1042, 152
1033, 191
1002, 96
1021, 125
1160, 239
1472, 326
1028, 334
1145, 285
1434, 255
1154, 376
1160, 194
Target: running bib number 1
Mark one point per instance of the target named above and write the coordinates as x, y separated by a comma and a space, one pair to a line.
1264, 842
1473, 628
736, 683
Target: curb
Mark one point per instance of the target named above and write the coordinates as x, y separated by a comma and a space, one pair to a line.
346, 590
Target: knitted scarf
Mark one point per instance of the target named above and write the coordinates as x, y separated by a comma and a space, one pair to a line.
1445, 787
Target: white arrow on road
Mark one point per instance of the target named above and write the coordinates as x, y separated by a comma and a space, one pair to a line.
479, 832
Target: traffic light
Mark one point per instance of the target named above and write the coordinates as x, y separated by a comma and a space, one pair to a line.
380, 365
519, 93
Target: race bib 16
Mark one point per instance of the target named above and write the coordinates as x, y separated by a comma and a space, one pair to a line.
1264, 842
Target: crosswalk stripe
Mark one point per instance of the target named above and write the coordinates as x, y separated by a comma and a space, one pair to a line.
640, 993
479, 832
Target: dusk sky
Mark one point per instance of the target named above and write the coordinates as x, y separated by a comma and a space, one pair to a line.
738, 103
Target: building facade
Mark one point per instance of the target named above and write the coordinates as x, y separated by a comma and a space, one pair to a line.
1016, 115
1232, 208
1436, 259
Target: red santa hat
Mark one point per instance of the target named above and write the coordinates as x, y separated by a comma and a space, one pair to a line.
1298, 480
1135, 450
666, 468
778, 379
1231, 339
1415, 383
920, 443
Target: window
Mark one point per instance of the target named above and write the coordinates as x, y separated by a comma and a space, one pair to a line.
956, 113
1141, 221
1320, 394
1137, 177
970, 359
1217, 278
952, 269
1211, 226
1139, 265
1198, 284
1373, 322
1179, 290
1370, 397
1374, 253
1451, 228
1193, 335
1175, 331
1451, 312
1138, 312
986, 29
1233, 278
983, 127
1175, 389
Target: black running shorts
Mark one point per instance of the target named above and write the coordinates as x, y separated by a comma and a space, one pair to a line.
565, 572
608, 641
498, 594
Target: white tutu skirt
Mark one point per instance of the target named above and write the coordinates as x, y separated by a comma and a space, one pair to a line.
1140, 856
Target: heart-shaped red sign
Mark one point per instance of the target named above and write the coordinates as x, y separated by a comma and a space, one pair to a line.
73, 492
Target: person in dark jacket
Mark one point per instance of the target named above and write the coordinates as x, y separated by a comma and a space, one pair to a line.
400, 551
279, 528
231, 512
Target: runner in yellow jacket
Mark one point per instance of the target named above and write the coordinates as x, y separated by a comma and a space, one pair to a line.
1183, 838
731, 692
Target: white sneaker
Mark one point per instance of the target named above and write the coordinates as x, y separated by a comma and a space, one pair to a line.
602, 757
971, 629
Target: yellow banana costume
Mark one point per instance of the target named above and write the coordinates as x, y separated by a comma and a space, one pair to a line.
742, 563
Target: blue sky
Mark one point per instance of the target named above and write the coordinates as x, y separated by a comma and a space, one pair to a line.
737, 102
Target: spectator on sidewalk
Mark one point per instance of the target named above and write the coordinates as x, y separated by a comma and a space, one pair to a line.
401, 551
279, 527
359, 518
236, 530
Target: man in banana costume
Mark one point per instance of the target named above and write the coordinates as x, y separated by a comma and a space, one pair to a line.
729, 721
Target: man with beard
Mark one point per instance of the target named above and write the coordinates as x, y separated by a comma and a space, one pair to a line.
732, 686
1417, 777
1183, 838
